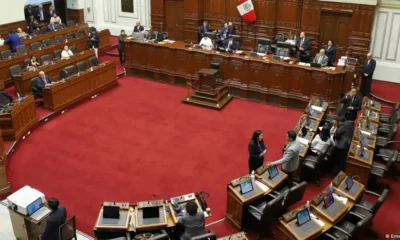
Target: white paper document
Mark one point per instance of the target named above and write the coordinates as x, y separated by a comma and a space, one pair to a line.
340, 199
316, 108
317, 220
302, 140
263, 187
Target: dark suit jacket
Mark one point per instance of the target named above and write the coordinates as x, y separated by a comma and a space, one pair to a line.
331, 53
203, 30
28, 13
55, 220
255, 159
158, 38
40, 83
49, 15
348, 101
31, 27
14, 41
368, 68
45, 15
343, 135
94, 39
232, 29
306, 45
234, 46
138, 29
224, 31
120, 42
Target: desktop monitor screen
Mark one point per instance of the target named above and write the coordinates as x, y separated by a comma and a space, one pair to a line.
349, 182
111, 212
328, 200
308, 120
246, 186
34, 206
273, 171
303, 216
151, 212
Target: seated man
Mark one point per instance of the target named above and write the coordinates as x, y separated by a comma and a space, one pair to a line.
206, 43
21, 33
321, 58
32, 26
147, 35
193, 222
42, 81
303, 47
223, 37
231, 45
56, 218
157, 36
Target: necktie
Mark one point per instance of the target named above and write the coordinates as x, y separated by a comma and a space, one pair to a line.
302, 41
352, 100
41, 16
319, 59
44, 80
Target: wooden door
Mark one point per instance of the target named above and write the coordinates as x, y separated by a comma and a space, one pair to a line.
174, 19
61, 9
335, 26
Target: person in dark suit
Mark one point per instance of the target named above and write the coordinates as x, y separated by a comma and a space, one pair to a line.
351, 105
28, 12
224, 36
193, 222
157, 36
121, 39
231, 28
303, 47
42, 81
49, 13
56, 218
367, 73
342, 138
32, 26
203, 29
41, 14
94, 40
231, 45
330, 52
13, 40
257, 151
138, 27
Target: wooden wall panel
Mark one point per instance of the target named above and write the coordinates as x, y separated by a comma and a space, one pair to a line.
77, 15
277, 16
11, 26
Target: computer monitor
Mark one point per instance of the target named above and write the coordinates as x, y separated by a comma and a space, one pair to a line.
273, 171
138, 35
309, 110
328, 200
303, 216
246, 186
316, 65
321, 102
276, 57
151, 212
34, 206
111, 212
308, 120
349, 182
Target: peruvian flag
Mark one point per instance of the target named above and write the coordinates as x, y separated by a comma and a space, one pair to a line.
246, 9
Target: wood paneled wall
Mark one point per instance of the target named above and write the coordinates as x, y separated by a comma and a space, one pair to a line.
77, 15
273, 16
11, 26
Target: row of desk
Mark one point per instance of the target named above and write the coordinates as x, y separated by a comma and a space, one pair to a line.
4, 183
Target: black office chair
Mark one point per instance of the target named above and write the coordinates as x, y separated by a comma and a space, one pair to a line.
165, 35
67, 231
81, 33
263, 45
312, 164
71, 35
215, 66
381, 170
22, 50
37, 32
47, 42
46, 58
71, 70
93, 61
6, 54
59, 39
283, 49
365, 208
388, 130
35, 46
265, 213
70, 23
34, 87
279, 37
352, 226
44, 30
64, 74
292, 196
57, 53
15, 70
82, 66
162, 236
207, 236
73, 49
27, 62
386, 117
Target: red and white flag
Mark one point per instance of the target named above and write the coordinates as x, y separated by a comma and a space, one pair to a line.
246, 9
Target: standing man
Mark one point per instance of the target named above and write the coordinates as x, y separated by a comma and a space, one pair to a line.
203, 29
330, 52
94, 39
41, 14
138, 27
49, 14
351, 105
121, 39
56, 218
321, 58
290, 160
303, 47
367, 72
223, 37
343, 136
231, 28
28, 12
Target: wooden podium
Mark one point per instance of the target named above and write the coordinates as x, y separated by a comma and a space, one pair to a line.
207, 91
4, 184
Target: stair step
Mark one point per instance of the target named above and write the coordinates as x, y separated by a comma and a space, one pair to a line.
206, 102
214, 99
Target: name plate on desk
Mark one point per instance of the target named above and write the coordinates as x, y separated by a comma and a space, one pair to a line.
155, 203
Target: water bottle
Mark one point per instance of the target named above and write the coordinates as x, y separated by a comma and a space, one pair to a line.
19, 97
331, 188
252, 175
91, 69
308, 205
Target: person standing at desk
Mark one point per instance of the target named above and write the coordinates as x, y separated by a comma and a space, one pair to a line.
330, 52
56, 218
193, 222
367, 73
290, 160
94, 39
342, 138
303, 47
257, 151
138, 27
351, 105
223, 37
121, 39
13, 40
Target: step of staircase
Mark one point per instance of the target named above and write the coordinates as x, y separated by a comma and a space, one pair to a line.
208, 102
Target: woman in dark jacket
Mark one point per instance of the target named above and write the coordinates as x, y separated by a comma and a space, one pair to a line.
257, 151
121, 38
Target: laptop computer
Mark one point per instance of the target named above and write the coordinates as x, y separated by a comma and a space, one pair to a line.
316, 65
303, 216
349, 182
328, 200
273, 171
151, 212
111, 212
138, 35
246, 186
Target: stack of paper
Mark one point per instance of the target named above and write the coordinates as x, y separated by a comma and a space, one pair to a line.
341, 62
261, 54
263, 187
239, 51
302, 140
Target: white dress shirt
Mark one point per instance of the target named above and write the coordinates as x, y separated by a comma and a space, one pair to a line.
206, 43
41, 15
66, 54
318, 146
55, 20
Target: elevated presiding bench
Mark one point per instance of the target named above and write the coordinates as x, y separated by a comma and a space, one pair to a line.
23, 82
19, 120
67, 92
260, 78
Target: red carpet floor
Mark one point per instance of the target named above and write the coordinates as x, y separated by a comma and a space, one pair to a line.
138, 139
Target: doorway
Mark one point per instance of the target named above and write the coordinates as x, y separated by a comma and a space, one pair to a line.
61, 9
336, 27
174, 19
